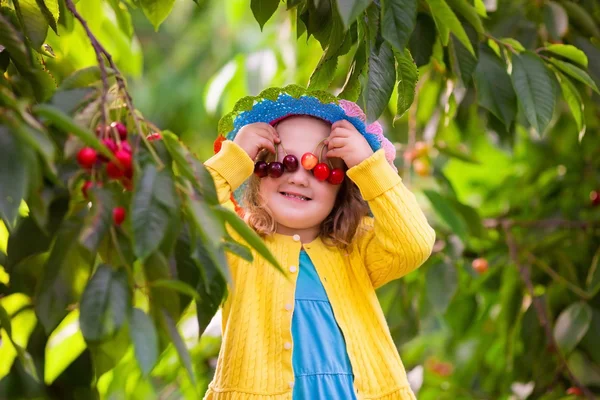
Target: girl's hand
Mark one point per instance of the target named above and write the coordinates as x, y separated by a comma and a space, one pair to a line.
347, 143
255, 137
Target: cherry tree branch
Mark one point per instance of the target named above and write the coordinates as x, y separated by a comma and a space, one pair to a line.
540, 307
100, 52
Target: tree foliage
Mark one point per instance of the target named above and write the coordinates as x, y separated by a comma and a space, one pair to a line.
105, 260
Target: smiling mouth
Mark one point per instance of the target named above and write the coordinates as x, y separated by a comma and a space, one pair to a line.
295, 196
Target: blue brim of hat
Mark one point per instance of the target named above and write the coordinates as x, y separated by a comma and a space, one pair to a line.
268, 111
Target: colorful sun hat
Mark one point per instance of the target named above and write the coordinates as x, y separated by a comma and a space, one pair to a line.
275, 104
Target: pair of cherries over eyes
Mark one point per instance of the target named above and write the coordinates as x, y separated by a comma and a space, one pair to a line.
309, 161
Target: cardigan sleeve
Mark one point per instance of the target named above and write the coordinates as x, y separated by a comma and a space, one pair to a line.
397, 239
229, 168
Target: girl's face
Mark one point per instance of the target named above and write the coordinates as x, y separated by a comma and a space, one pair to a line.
297, 200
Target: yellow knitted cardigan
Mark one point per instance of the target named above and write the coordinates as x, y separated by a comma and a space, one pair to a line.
255, 361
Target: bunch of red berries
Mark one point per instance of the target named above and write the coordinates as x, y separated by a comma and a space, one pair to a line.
321, 170
121, 168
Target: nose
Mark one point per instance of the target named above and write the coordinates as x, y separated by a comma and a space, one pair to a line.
299, 177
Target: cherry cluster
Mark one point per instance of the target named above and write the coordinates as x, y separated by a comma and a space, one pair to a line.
321, 171
120, 168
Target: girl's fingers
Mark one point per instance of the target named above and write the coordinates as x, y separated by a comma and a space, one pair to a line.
342, 123
339, 131
335, 153
266, 144
336, 142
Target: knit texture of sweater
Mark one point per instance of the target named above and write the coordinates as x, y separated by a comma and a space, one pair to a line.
255, 361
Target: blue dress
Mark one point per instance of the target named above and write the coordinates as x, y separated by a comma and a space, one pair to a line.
322, 368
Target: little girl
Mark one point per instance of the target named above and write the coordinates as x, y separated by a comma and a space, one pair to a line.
316, 331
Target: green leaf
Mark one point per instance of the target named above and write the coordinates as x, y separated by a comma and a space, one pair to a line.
446, 22
323, 74
84, 77
573, 99
480, 8
67, 125
533, 84
581, 18
462, 61
592, 281
239, 250
407, 75
351, 89
178, 286
157, 10
32, 20
105, 303
442, 283
123, 17
11, 39
179, 344
590, 340
263, 10
381, 79
107, 354
14, 176
51, 11
575, 72
447, 214
156, 267
99, 220
153, 205
145, 340
586, 372
350, 9
569, 52
64, 345
5, 321
398, 21
571, 326
248, 235
494, 88
468, 12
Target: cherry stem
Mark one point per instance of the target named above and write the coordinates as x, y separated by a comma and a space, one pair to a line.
321, 153
281, 144
318, 145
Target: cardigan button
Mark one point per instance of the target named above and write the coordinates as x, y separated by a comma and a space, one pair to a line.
291, 384
293, 269
296, 238
288, 307
287, 345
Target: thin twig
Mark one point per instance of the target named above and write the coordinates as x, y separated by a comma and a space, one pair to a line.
540, 308
543, 223
558, 278
100, 50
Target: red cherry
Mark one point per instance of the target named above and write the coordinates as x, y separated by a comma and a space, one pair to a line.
321, 171
120, 128
154, 136
124, 159
114, 171
261, 169
309, 161
275, 169
336, 176
595, 198
290, 162
87, 157
110, 145
118, 215
128, 173
86, 186
575, 391
125, 146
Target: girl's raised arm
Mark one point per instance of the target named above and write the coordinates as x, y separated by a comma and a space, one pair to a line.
398, 239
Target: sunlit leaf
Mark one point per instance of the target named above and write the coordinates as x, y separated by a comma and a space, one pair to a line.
157, 10
407, 76
64, 345
534, 88
573, 99
263, 10
33, 21
571, 326
574, 72
446, 22
569, 52
468, 12
51, 11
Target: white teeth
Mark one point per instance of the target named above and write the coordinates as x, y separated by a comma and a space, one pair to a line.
295, 196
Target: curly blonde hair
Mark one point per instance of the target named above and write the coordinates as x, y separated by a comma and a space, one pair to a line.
337, 229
